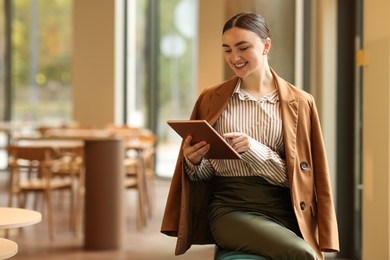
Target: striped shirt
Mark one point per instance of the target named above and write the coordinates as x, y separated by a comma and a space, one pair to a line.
261, 120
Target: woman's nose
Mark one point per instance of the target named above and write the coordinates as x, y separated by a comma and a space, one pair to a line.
235, 56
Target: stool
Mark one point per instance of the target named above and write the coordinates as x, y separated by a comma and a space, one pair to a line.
223, 254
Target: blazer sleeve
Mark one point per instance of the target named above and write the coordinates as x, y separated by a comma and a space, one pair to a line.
327, 222
185, 215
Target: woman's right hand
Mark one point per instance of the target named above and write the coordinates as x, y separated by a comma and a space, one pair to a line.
195, 152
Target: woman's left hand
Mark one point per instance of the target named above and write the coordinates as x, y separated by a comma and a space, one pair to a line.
239, 141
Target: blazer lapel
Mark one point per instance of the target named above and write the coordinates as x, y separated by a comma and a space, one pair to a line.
219, 100
289, 107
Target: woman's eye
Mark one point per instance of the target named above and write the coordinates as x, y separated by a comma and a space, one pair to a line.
228, 51
243, 48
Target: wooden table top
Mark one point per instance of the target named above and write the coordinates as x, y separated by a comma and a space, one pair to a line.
8, 248
18, 217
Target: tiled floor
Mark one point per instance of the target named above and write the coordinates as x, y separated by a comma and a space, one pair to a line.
148, 244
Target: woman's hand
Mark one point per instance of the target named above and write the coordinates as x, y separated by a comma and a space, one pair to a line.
195, 152
239, 141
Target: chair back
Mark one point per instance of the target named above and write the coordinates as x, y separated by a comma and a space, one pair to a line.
29, 164
19, 156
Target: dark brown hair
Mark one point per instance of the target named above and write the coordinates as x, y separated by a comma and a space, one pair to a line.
249, 21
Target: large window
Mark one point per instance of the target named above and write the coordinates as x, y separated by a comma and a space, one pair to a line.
35, 63
161, 76
41, 60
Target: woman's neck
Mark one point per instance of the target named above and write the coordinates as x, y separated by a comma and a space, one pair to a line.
259, 85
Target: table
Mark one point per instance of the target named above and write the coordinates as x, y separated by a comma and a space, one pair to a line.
77, 133
18, 217
104, 222
56, 143
8, 248
15, 218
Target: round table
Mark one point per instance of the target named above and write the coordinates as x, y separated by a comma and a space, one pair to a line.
8, 248
18, 217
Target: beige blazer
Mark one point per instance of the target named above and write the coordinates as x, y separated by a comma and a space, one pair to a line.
185, 214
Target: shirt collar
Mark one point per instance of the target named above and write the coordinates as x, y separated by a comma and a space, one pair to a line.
272, 97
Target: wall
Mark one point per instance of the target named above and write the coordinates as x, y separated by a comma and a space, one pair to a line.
211, 62
93, 62
376, 119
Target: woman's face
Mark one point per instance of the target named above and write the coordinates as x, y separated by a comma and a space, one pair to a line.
245, 51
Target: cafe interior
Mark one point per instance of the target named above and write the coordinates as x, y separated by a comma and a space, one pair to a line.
87, 87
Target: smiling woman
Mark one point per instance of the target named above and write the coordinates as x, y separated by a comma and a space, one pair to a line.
261, 203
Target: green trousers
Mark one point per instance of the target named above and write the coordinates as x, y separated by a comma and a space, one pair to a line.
247, 214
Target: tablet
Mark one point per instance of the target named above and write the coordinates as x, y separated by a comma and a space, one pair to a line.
201, 130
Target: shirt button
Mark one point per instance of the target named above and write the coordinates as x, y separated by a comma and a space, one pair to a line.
304, 166
302, 205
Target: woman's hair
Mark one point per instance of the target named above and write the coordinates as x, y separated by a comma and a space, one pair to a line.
249, 21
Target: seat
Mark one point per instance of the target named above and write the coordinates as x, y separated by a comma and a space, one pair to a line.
135, 180
224, 254
148, 156
31, 171
139, 167
70, 164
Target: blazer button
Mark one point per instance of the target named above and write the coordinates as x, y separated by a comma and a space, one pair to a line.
304, 166
302, 205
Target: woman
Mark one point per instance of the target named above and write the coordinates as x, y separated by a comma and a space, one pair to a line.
276, 201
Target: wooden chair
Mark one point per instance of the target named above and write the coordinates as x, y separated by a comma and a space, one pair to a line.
45, 130
31, 172
135, 180
70, 164
148, 155
139, 167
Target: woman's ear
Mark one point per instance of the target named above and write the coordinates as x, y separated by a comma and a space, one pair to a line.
267, 45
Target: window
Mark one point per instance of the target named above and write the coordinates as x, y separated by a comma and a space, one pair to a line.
41, 60
35, 70
161, 71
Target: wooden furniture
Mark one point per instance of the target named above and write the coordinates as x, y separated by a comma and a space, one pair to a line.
148, 153
15, 218
139, 173
8, 248
74, 133
135, 179
18, 217
104, 194
31, 172
69, 164
139, 147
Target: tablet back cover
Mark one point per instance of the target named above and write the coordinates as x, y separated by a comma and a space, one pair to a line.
201, 130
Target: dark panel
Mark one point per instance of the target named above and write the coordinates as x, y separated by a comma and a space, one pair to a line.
345, 125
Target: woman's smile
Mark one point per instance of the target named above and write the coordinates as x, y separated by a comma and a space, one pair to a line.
240, 65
